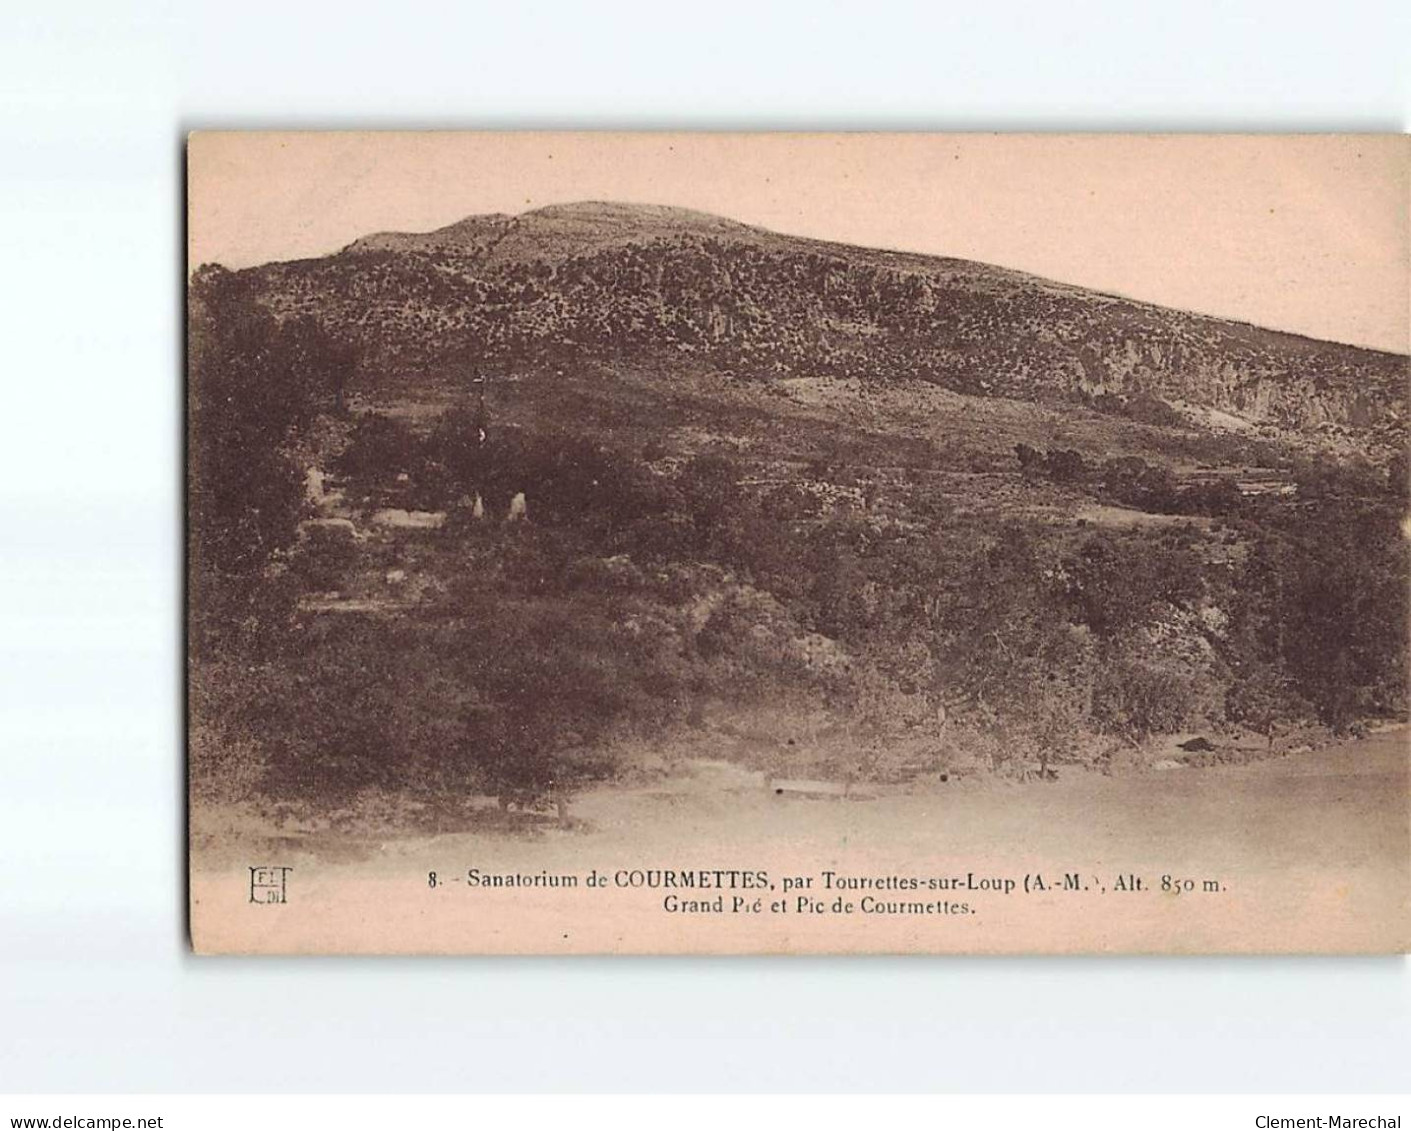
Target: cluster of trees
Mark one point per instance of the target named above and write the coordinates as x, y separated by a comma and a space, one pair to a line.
1153, 488
514, 700
1029, 639
256, 386
569, 478
552, 643
1319, 611
1132, 481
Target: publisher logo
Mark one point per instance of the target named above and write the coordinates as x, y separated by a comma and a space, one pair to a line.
268, 883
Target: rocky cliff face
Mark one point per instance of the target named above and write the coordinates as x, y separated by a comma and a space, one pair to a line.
604, 281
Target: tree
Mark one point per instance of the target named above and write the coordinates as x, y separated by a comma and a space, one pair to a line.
459, 443
1106, 587
1398, 476
1261, 697
710, 486
319, 362
838, 579
547, 701
1322, 596
379, 449
1137, 697
245, 489
1345, 612
1064, 465
1030, 459
246, 411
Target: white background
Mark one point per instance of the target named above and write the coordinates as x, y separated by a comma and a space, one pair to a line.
97, 991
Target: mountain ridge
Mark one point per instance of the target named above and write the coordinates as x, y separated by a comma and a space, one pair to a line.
593, 224
605, 279
588, 209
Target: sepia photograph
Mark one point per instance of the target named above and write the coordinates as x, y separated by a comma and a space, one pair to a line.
631, 564
745, 543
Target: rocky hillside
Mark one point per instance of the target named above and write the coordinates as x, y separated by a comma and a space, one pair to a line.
607, 281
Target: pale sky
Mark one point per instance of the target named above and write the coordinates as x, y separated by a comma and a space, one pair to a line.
1304, 233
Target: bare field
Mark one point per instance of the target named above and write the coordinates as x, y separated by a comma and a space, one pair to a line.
1312, 851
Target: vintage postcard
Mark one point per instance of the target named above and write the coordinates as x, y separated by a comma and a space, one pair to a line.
797, 543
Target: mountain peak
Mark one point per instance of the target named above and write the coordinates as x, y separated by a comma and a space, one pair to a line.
556, 231
618, 212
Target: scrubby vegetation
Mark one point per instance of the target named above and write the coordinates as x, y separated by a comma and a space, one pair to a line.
760, 306
896, 609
